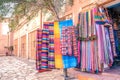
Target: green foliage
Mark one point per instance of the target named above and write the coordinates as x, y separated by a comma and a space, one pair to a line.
5, 7
23, 7
13, 24
20, 8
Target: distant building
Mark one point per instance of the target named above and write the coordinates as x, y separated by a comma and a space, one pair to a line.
5, 37
25, 36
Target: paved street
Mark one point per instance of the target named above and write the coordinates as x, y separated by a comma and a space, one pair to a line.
103, 76
14, 68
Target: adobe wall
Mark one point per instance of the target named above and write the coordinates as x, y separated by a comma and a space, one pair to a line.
3, 41
79, 5
21, 37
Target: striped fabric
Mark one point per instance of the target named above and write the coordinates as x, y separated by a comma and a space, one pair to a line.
109, 47
38, 49
112, 40
94, 53
74, 41
79, 53
51, 57
68, 41
45, 58
64, 41
100, 46
44, 49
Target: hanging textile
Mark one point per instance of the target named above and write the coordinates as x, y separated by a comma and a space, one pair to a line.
95, 48
87, 36
38, 49
51, 59
45, 48
60, 38
69, 47
58, 55
68, 44
112, 39
50, 26
65, 23
68, 41
78, 45
57, 47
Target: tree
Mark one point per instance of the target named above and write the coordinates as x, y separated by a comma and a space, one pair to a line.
6, 6
23, 7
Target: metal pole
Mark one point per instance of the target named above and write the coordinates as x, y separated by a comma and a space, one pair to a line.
65, 74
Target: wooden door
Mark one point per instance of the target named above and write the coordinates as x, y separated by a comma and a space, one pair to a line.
32, 45
16, 47
23, 47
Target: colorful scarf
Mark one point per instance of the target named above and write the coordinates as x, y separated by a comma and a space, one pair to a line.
38, 49
68, 41
95, 44
44, 49
51, 57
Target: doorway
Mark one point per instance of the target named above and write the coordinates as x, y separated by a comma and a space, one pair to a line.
114, 13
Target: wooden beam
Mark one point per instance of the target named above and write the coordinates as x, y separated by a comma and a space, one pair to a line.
97, 4
88, 5
106, 2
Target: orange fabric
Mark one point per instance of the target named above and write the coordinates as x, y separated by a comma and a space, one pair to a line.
57, 36
85, 78
57, 46
58, 61
58, 55
82, 78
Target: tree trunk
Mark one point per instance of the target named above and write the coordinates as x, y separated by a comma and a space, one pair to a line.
56, 15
